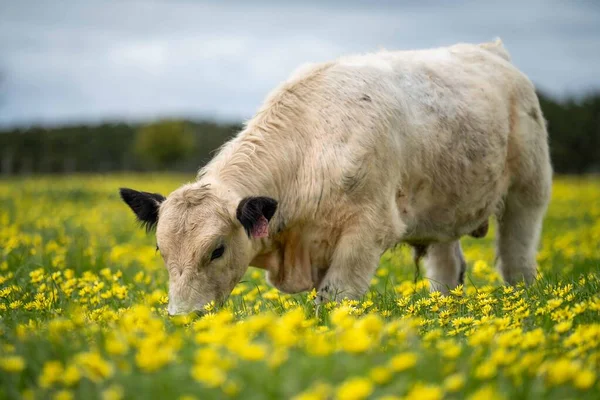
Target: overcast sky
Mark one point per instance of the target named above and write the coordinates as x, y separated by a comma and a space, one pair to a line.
90, 61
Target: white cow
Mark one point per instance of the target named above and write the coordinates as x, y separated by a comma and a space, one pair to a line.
351, 157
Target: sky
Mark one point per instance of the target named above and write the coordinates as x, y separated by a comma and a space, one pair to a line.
89, 61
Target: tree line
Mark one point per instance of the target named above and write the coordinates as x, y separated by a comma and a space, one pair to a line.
178, 145
110, 147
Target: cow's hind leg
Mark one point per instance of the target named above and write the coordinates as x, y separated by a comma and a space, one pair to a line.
521, 214
519, 228
445, 266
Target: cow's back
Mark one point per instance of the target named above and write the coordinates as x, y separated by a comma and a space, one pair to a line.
394, 146
428, 127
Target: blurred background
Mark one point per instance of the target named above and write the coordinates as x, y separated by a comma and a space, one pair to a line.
108, 86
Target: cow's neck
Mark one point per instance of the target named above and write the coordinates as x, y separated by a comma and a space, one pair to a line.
257, 163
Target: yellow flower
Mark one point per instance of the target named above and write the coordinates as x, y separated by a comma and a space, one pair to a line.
94, 367
321, 391
151, 358
371, 323
63, 395
318, 344
449, 348
532, 339
252, 352
482, 336
563, 326
71, 375
454, 383
486, 370
114, 392
403, 361
15, 304
486, 393
354, 389
355, 340
340, 317
584, 379
210, 376
501, 356
51, 373
12, 364
457, 291
560, 371
115, 346
380, 375
424, 392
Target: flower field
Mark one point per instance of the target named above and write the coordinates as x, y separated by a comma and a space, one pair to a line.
83, 297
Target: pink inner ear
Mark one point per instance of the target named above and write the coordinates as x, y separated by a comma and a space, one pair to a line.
261, 228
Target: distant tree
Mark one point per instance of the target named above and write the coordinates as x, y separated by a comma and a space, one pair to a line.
7, 153
574, 129
165, 143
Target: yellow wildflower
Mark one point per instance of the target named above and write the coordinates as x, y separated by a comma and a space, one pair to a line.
486, 393
584, 379
403, 361
210, 376
94, 367
354, 389
560, 371
71, 375
12, 364
486, 370
114, 392
63, 395
424, 392
563, 326
252, 352
454, 383
355, 340
52, 372
380, 375
321, 391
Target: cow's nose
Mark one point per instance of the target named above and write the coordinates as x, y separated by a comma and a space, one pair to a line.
173, 312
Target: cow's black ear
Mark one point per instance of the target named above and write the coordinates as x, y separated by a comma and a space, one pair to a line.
254, 213
144, 205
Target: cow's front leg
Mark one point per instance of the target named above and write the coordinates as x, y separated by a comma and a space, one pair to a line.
352, 266
445, 265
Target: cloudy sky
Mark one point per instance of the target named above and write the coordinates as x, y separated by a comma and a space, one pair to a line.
89, 61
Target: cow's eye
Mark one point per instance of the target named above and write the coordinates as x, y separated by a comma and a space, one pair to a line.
218, 252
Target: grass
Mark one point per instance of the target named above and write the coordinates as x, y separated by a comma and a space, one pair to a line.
83, 296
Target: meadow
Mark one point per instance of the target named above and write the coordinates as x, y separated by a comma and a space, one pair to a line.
83, 297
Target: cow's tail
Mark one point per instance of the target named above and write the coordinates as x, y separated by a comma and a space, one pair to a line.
497, 48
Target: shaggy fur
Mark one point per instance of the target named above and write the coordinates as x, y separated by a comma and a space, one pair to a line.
362, 153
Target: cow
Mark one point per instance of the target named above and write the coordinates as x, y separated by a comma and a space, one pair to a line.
351, 157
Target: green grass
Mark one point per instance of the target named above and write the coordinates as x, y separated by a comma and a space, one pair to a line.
83, 294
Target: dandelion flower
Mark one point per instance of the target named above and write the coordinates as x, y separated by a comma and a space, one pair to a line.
12, 364
354, 389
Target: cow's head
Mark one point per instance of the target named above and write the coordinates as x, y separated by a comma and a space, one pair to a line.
205, 238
